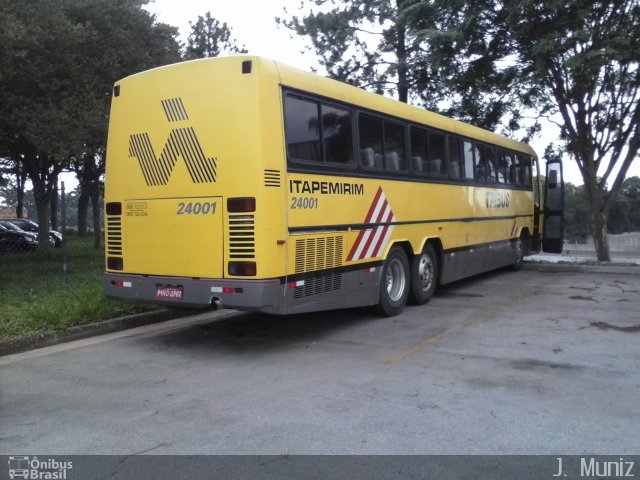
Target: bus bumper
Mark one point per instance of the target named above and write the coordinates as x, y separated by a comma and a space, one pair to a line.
177, 292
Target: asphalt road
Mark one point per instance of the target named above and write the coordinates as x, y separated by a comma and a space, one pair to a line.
506, 363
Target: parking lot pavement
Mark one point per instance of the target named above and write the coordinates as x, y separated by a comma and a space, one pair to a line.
507, 363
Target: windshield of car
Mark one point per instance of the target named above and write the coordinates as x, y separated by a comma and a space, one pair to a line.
25, 225
11, 226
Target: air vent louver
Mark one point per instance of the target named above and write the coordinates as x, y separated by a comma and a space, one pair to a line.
114, 236
317, 259
241, 237
272, 178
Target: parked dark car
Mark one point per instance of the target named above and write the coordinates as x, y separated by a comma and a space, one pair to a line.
14, 228
31, 226
16, 241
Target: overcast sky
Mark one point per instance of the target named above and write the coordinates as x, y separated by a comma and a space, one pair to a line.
252, 23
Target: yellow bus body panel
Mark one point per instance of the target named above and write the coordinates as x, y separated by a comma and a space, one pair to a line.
224, 123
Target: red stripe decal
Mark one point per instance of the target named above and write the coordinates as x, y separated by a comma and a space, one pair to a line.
372, 208
355, 246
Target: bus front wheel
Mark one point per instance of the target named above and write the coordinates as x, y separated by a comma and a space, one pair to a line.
424, 276
394, 284
519, 252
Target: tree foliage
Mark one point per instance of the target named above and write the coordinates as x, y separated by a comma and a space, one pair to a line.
624, 215
365, 43
58, 62
209, 38
575, 63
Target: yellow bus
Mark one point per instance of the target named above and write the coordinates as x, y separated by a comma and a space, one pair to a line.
245, 183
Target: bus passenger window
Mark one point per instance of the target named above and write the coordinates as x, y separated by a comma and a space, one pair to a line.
527, 171
468, 160
510, 168
491, 160
419, 150
481, 163
394, 157
337, 135
370, 129
501, 166
454, 157
437, 164
524, 170
302, 129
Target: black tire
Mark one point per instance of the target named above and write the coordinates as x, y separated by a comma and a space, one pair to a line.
424, 276
518, 247
394, 283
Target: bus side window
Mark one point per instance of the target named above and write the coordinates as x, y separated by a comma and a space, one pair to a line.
337, 135
371, 154
454, 158
468, 160
527, 171
302, 129
481, 163
437, 164
419, 150
524, 170
491, 161
511, 168
501, 166
394, 152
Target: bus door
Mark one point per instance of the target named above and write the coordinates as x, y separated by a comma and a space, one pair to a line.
553, 223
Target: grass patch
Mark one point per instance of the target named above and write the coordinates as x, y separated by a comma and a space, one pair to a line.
34, 299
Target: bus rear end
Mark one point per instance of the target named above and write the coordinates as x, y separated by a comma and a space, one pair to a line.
194, 186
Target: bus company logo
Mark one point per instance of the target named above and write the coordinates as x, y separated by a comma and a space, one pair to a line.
35, 469
372, 241
182, 142
497, 199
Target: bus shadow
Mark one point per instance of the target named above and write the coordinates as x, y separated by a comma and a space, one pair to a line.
248, 333
260, 333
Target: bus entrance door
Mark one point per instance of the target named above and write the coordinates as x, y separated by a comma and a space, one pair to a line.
553, 225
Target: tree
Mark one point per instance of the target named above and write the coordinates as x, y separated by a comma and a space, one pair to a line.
575, 63
58, 60
365, 43
136, 42
624, 215
209, 38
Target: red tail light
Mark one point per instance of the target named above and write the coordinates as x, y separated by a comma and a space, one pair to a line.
241, 204
242, 269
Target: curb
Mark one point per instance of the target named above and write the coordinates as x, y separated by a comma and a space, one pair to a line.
31, 342
582, 268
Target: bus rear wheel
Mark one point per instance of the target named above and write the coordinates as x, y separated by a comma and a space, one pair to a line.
424, 276
394, 284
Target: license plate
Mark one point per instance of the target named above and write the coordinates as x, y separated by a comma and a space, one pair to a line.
169, 293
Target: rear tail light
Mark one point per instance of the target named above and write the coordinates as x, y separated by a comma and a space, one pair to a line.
114, 208
114, 263
241, 204
242, 269
232, 290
